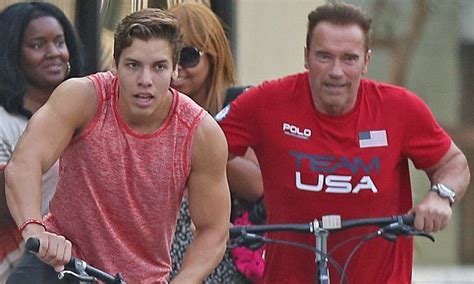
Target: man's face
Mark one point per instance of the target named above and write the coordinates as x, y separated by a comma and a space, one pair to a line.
336, 59
144, 69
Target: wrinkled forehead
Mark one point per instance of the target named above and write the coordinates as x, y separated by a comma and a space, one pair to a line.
338, 35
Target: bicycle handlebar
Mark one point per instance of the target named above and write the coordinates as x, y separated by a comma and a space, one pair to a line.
300, 228
384, 221
328, 222
388, 227
78, 265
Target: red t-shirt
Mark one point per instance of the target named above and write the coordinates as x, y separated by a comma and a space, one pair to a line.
354, 165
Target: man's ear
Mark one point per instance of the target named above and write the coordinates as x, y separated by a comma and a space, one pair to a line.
174, 75
114, 68
368, 56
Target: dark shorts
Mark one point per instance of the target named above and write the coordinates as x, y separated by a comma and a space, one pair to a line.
31, 270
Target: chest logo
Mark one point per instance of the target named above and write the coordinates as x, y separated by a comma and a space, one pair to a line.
374, 138
295, 131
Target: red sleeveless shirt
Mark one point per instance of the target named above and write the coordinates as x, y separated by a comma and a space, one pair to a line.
119, 191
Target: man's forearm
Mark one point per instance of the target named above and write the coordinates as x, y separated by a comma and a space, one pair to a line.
202, 256
245, 179
454, 173
23, 192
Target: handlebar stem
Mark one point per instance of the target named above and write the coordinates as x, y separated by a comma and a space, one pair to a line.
321, 234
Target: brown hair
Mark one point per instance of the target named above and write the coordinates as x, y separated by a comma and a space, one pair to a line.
146, 24
340, 14
203, 29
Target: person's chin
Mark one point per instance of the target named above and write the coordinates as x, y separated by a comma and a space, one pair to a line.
53, 81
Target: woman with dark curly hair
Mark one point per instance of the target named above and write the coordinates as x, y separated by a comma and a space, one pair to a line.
39, 49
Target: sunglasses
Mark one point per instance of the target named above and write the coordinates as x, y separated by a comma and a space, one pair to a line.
190, 57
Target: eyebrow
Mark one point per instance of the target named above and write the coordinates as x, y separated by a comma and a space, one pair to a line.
129, 59
350, 54
59, 36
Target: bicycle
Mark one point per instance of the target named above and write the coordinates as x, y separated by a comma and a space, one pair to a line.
78, 268
389, 228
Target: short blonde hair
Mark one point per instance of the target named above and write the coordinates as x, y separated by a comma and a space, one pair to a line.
203, 29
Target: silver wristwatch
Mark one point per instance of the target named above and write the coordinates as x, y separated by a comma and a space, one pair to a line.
444, 192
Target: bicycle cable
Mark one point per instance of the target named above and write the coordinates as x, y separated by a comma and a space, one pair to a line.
354, 250
346, 241
330, 259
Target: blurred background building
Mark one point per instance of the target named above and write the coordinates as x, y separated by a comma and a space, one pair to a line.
424, 45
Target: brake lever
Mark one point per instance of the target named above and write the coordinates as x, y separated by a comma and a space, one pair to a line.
83, 278
423, 234
391, 231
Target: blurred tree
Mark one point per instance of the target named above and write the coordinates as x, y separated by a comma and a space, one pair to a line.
401, 43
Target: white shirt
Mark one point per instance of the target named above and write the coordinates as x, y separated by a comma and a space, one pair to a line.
11, 128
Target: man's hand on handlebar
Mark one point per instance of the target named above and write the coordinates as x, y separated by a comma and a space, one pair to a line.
432, 213
54, 250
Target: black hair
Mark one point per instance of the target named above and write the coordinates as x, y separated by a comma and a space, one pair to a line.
13, 22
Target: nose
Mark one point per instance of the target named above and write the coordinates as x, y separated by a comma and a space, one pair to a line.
52, 49
145, 77
336, 69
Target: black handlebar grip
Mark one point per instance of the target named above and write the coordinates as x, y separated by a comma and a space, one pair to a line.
235, 232
32, 244
408, 219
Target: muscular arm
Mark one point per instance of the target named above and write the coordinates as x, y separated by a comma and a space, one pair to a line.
209, 203
70, 107
433, 213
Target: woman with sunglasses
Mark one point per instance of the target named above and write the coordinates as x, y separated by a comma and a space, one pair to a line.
205, 72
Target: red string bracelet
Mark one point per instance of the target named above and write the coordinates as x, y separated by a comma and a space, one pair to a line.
30, 221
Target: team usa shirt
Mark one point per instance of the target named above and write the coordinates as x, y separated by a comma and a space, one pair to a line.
354, 165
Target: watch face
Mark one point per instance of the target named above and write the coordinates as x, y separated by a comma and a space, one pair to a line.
445, 191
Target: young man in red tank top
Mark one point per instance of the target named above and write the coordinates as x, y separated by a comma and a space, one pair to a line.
129, 147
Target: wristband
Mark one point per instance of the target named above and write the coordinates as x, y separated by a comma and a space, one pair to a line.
30, 221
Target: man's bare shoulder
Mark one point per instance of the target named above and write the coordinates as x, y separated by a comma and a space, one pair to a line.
75, 100
209, 141
208, 128
80, 87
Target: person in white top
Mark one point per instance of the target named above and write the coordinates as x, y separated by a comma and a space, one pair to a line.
38, 50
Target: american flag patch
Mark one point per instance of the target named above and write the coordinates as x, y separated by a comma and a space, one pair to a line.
375, 138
